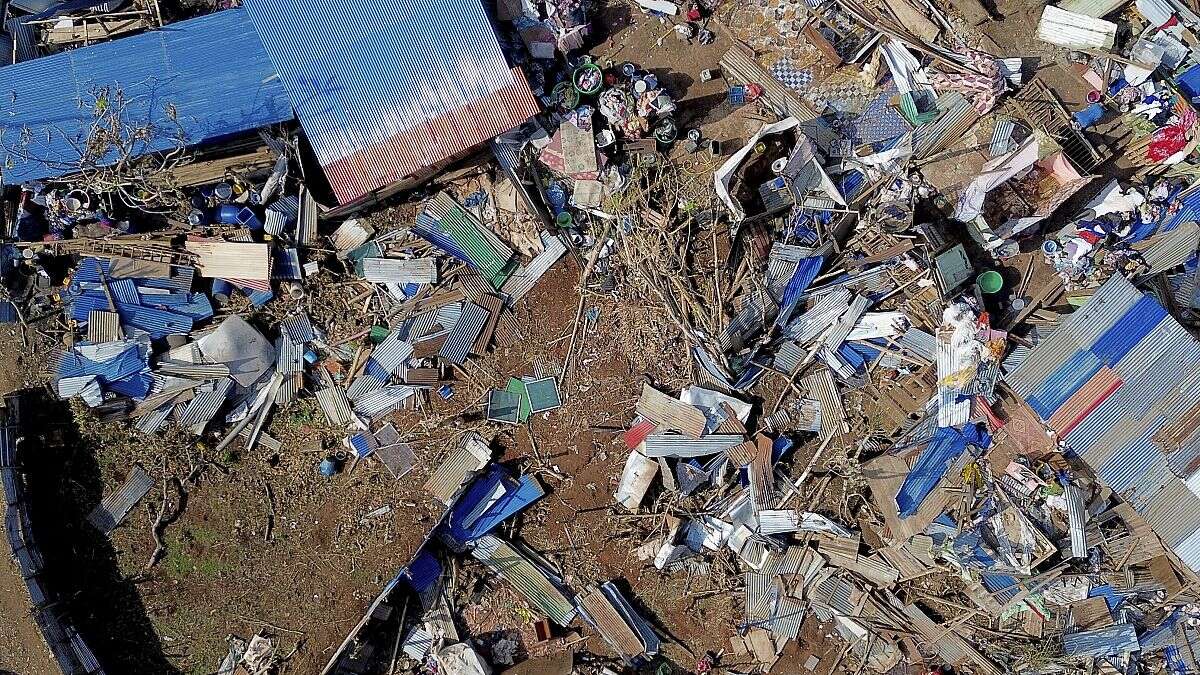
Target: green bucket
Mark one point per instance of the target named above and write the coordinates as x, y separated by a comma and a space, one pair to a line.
990, 282
379, 333
588, 70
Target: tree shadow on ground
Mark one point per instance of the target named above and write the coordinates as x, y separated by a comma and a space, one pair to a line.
82, 571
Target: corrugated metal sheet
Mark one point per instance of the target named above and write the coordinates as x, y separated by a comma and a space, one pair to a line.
383, 400
958, 116
1092, 8
1102, 642
390, 354
195, 371
1084, 400
809, 325
212, 71
789, 356
671, 413
289, 356
471, 455
153, 422
523, 280
364, 384
335, 405
203, 407
920, 343
677, 445
1129, 461
447, 224
398, 271
611, 622
103, 326
116, 505
1171, 514
1171, 249
466, 331
1069, 29
833, 416
530, 581
378, 98
1076, 521
748, 322
740, 63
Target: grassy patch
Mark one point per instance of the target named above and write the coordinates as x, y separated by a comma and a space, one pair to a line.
185, 559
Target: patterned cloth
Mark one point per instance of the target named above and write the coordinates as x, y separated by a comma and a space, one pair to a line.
791, 76
880, 121
982, 89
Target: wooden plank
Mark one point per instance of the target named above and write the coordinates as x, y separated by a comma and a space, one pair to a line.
92, 31
494, 305
231, 260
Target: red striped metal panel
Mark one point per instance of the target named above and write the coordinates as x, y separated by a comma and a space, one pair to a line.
1085, 399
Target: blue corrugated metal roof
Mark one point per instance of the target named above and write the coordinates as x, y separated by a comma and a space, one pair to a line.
212, 70
1129, 330
384, 89
1063, 382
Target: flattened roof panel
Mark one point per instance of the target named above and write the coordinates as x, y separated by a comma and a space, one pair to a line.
211, 70
387, 89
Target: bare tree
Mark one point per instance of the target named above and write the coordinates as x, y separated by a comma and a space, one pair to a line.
124, 150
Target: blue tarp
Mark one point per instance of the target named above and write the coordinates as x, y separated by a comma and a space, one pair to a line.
945, 446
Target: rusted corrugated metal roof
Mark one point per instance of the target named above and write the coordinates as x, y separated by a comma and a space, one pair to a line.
823, 387
604, 615
471, 455
671, 413
380, 98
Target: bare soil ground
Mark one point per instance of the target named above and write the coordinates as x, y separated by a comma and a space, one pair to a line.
265, 543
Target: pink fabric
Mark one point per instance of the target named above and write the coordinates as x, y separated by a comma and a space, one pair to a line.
983, 90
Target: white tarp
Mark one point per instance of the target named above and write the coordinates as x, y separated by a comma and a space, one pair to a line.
461, 659
995, 173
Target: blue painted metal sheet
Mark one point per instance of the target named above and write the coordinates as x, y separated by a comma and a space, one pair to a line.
212, 71
947, 445
1134, 325
423, 571
488, 501
1063, 382
386, 89
1119, 639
